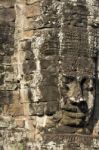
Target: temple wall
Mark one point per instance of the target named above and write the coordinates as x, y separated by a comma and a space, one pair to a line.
38, 42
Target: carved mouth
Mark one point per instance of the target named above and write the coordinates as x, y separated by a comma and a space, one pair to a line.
75, 112
81, 104
72, 99
75, 119
75, 105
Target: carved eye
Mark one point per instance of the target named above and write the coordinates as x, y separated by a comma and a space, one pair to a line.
66, 87
85, 84
83, 81
69, 79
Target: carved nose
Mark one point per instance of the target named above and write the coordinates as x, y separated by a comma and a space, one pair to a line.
79, 95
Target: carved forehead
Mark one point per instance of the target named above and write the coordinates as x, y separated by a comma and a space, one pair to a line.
77, 78
74, 66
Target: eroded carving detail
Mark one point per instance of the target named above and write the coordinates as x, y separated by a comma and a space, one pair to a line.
78, 100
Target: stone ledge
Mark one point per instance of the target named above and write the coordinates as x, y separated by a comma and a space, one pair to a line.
70, 138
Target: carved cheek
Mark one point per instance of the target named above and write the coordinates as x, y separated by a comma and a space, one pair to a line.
90, 96
74, 89
90, 102
85, 95
71, 91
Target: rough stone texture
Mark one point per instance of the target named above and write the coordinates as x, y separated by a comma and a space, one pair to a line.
48, 68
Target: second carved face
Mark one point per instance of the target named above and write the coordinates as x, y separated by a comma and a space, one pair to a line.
77, 100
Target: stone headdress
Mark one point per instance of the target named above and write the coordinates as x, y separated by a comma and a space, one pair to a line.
76, 54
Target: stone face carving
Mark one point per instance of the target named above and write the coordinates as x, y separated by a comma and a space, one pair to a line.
78, 100
76, 106
61, 89
47, 74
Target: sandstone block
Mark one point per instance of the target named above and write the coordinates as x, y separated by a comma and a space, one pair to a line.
37, 109
51, 108
33, 10
1, 79
7, 3
49, 79
29, 66
20, 123
49, 93
3, 124
15, 110
5, 96
7, 14
50, 123
29, 2
28, 34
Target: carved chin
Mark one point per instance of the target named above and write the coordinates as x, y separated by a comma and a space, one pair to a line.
73, 119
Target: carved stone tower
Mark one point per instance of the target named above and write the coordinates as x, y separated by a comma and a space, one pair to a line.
49, 74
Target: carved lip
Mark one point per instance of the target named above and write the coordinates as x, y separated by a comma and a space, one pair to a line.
72, 99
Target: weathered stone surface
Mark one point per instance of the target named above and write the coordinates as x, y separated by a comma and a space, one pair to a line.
37, 109
7, 14
7, 3
31, 1
52, 108
47, 74
49, 93
33, 10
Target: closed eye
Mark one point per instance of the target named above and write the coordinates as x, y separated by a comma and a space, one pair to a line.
83, 81
66, 87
